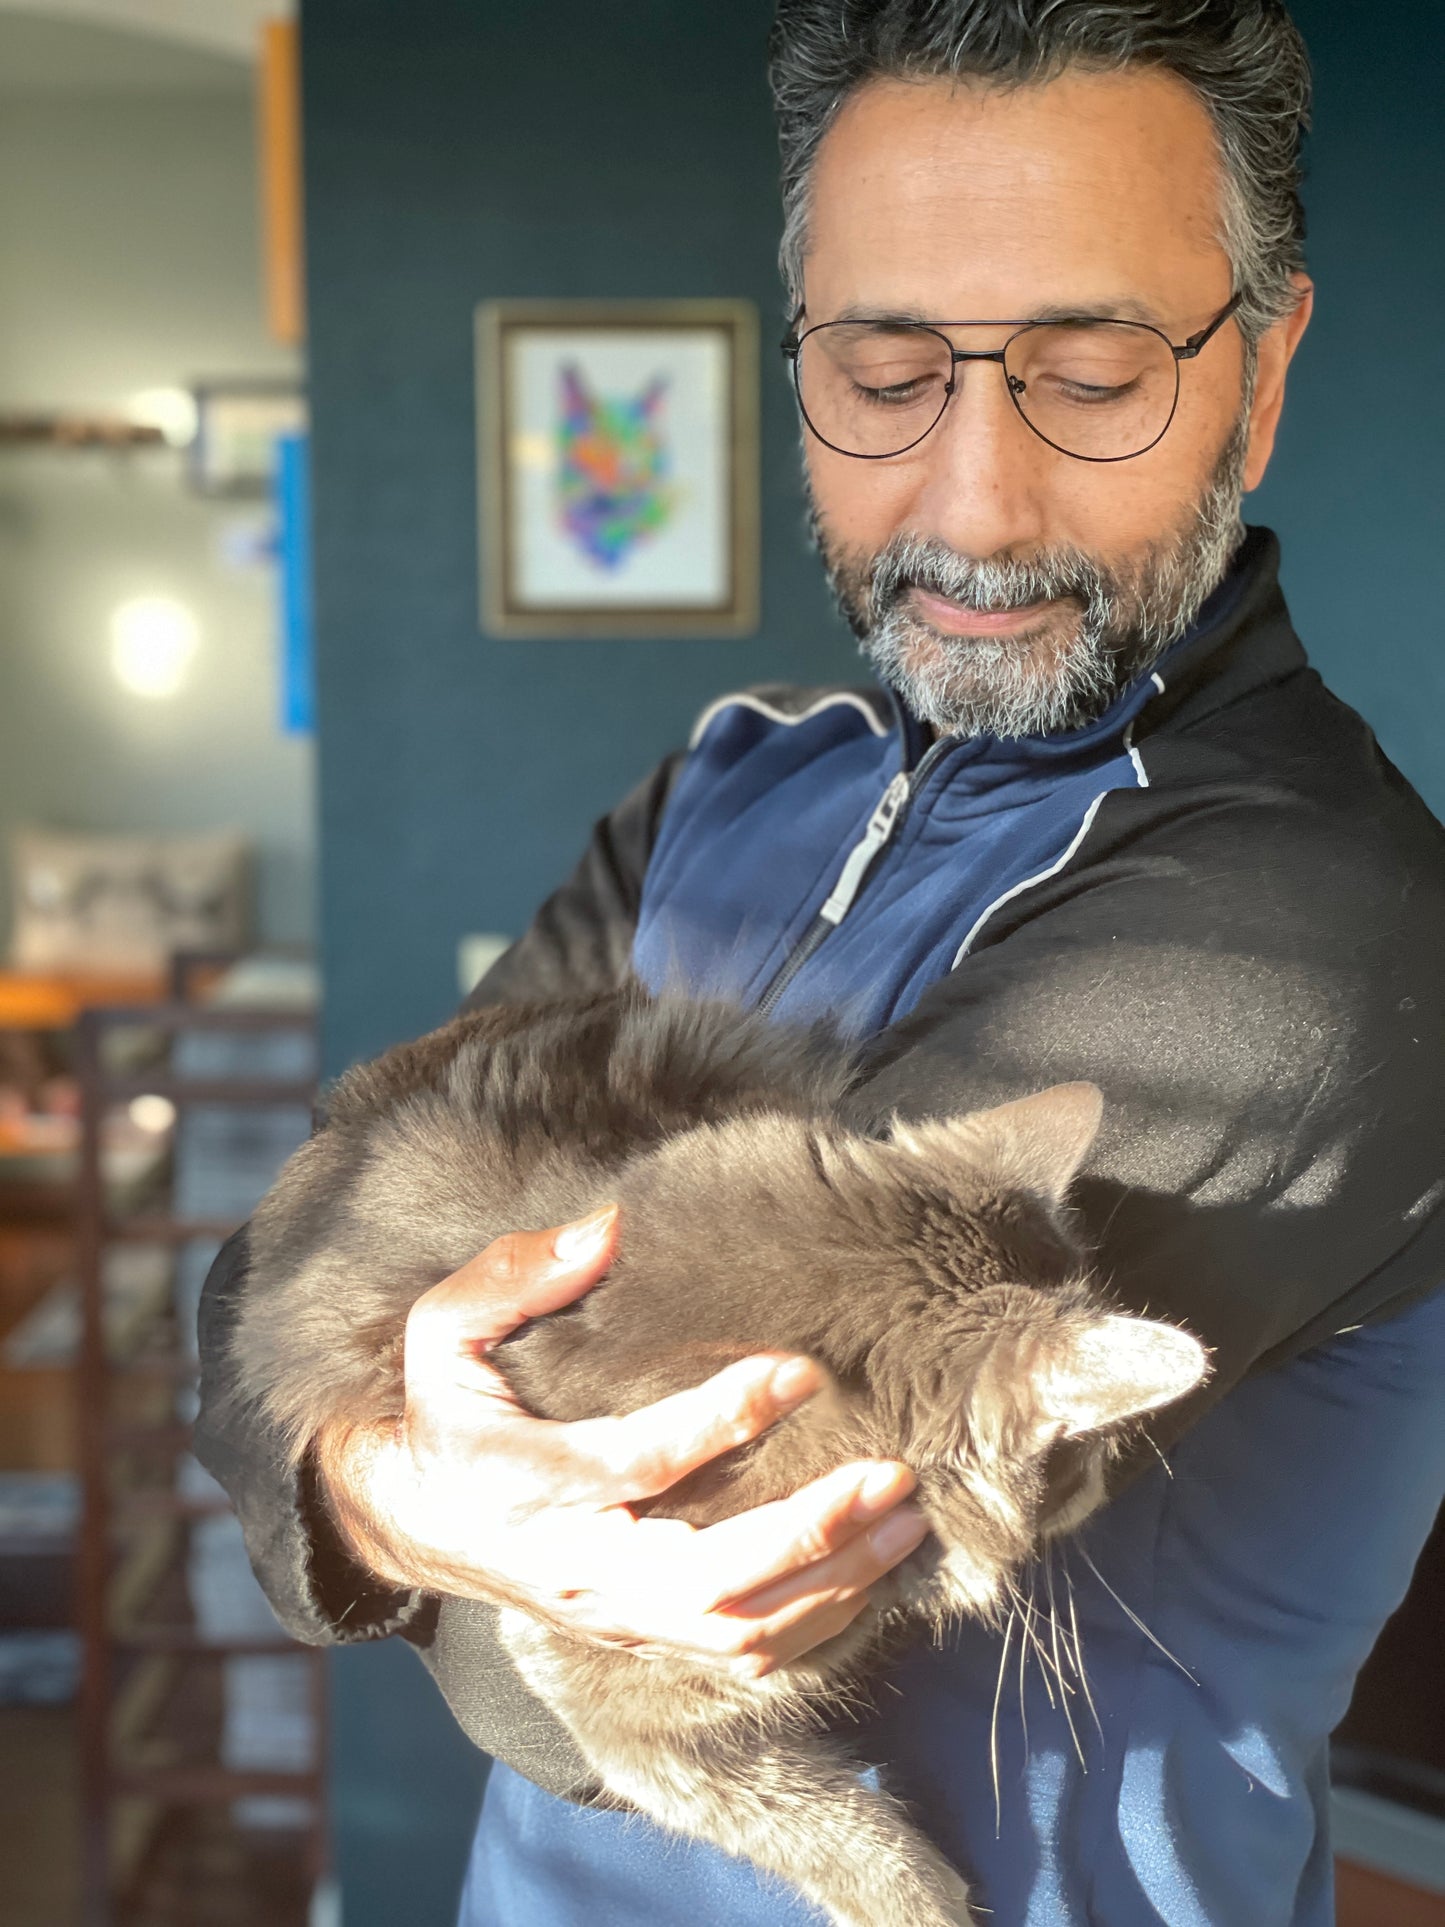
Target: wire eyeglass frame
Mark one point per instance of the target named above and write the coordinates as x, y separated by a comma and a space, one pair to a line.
1186, 350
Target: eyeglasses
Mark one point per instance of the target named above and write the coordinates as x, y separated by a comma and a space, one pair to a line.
1101, 391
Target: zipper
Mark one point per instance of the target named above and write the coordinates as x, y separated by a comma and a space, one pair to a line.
881, 827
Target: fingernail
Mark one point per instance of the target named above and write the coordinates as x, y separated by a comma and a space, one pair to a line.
587, 1236
899, 1533
794, 1380
882, 1486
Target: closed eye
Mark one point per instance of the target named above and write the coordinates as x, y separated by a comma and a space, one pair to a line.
1089, 393
898, 392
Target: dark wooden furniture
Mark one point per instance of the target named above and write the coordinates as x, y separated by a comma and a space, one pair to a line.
155, 1796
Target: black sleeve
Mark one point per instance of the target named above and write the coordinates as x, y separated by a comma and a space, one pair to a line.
1268, 1040
580, 941
316, 1589
581, 938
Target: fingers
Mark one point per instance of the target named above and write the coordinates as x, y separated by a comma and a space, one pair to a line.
779, 1643
787, 1543
657, 1606
649, 1450
782, 1621
521, 1276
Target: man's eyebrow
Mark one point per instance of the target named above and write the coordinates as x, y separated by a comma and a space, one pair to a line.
1125, 308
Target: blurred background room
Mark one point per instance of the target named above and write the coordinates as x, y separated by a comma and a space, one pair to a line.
242, 512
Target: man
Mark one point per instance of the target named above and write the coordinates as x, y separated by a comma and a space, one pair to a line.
1044, 260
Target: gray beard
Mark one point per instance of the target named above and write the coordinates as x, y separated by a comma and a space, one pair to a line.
1032, 684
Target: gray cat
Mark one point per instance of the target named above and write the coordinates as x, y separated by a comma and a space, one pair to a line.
933, 1273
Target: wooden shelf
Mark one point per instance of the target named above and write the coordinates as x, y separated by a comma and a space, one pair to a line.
142, 1634
54, 1000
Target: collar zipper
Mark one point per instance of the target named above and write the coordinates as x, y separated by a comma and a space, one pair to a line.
881, 826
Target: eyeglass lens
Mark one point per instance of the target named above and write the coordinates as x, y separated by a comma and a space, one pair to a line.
1098, 389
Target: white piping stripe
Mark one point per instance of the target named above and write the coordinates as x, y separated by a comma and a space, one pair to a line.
1135, 758
1083, 830
1029, 882
756, 703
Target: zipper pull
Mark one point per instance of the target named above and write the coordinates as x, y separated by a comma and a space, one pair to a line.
880, 828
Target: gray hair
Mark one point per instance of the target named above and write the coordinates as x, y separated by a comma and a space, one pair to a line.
1243, 58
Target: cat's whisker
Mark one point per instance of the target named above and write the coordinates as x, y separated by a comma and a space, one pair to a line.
1123, 1198
1023, 1711
1131, 1614
1049, 1662
1064, 1701
993, 1729
1168, 1468
1079, 1653
1046, 1664
1054, 1617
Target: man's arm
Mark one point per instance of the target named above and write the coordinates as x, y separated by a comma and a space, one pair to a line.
318, 1590
581, 938
1269, 1168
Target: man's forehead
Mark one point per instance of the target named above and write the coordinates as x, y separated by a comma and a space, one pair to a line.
1120, 307
1093, 190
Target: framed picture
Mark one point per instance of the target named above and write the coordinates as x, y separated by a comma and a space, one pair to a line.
618, 468
238, 424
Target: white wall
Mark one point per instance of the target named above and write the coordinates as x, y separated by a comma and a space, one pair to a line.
129, 260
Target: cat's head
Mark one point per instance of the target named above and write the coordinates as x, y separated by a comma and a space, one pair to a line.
937, 1273
1012, 1395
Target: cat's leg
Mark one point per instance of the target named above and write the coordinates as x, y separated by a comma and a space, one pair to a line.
724, 1767
799, 1812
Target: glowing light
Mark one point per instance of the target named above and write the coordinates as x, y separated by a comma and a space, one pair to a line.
171, 410
152, 1113
152, 641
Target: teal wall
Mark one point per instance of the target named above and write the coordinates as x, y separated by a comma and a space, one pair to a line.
459, 150
1357, 487
457, 153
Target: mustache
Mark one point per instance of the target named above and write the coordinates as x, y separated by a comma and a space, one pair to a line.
991, 586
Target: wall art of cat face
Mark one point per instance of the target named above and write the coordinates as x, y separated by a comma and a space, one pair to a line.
614, 467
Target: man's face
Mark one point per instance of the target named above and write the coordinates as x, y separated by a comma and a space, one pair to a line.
999, 583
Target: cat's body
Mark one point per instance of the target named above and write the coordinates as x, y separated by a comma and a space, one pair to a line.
933, 1274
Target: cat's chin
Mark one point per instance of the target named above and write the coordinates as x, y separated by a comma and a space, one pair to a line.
938, 1583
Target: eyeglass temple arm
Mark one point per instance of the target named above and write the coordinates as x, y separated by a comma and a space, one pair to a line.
1195, 342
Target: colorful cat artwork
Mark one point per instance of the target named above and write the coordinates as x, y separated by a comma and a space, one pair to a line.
614, 467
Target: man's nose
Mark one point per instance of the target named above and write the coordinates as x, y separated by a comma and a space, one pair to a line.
981, 472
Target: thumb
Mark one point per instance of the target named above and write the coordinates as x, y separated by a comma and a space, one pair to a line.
523, 1275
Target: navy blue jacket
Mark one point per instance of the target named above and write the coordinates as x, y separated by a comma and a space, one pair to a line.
1222, 905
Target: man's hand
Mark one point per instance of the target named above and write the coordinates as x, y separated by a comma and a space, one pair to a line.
475, 1497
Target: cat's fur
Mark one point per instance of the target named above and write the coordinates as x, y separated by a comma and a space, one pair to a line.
932, 1273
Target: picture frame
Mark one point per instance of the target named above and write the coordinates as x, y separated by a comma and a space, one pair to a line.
238, 425
618, 468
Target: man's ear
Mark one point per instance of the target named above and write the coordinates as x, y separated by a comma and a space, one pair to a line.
1274, 353
1034, 1144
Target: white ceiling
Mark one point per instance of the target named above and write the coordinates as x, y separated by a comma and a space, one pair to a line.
46, 59
82, 47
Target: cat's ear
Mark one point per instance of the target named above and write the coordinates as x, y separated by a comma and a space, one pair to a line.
1116, 1369
1034, 1144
